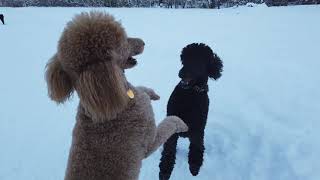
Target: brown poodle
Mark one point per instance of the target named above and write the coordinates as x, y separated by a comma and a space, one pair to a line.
115, 127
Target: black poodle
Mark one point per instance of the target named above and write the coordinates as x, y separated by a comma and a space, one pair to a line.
190, 102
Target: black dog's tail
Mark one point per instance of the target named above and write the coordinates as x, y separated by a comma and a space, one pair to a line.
168, 157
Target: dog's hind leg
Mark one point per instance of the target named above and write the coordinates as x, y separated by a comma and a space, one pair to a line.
196, 150
168, 157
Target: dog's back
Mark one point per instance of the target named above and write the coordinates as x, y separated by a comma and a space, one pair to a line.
109, 150
190, 102
190, 106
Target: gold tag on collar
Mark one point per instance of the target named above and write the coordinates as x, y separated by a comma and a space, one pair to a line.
130, 94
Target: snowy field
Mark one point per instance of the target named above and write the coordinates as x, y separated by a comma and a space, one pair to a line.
263, 122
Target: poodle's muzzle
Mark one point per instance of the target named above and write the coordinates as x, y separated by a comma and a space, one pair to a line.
136, 48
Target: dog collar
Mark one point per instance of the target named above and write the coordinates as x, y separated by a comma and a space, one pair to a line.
196, 88
199, 89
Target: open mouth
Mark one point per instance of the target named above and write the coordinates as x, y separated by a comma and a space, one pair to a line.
130, 62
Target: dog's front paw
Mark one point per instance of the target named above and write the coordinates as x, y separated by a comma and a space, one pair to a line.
153, 95
180, 125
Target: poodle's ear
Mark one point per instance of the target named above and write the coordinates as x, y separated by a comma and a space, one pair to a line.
59, 84
215, 67
102, 90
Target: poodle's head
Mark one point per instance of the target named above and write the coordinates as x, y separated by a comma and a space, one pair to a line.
93, 52
199, 63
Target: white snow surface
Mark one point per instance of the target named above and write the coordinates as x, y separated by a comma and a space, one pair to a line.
263, 122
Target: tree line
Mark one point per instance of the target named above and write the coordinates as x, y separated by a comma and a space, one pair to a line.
150, 3
127, 3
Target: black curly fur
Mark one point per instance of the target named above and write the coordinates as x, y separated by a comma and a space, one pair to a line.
199, 64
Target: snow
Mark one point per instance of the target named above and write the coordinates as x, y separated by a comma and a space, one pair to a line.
263, 121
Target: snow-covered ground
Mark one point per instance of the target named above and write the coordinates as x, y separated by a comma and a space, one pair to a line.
264, 114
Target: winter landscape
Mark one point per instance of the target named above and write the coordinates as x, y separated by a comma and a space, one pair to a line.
263, 120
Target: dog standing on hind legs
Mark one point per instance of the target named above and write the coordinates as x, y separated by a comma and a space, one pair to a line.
115, 127
190, 102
